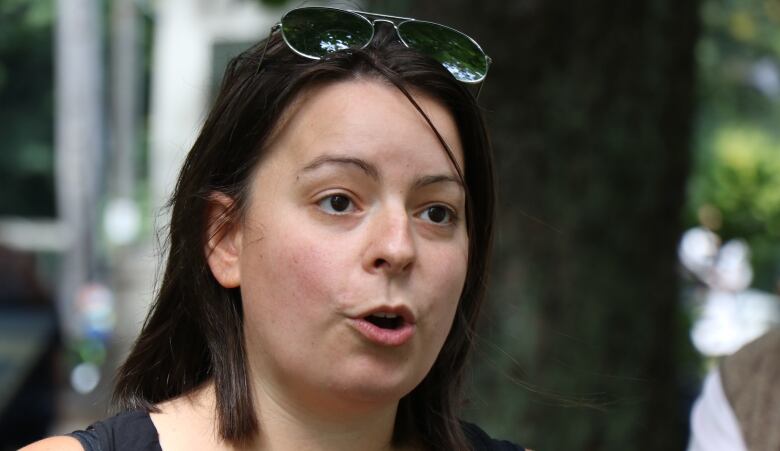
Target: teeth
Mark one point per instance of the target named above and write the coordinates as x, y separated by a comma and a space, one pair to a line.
385, 315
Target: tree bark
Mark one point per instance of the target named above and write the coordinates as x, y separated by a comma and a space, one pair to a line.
590, 106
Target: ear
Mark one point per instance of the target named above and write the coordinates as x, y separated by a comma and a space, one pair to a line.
223, 241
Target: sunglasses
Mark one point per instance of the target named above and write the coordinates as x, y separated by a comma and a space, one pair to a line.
314, 32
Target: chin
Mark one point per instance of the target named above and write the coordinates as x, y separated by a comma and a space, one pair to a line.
374, 396
376, 388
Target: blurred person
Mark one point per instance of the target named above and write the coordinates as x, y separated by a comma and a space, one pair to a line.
329, 241
739, 407
29, 310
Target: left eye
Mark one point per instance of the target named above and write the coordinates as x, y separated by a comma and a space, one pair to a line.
438, 214
336, 204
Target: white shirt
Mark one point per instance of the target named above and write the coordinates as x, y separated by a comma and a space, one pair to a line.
714, 426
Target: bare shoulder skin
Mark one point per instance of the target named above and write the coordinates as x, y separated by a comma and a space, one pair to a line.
188, 422
183, 423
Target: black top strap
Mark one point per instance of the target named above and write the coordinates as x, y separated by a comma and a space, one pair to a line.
480, 441
134, 431
124, 432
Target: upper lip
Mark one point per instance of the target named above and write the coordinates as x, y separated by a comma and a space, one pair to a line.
400, 310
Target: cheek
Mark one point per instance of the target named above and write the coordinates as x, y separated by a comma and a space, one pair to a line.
285, 300
447, 288
288, 275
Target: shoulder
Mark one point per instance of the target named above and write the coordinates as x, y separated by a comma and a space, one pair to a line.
761, 352
188, 421
749, 376
62, 443
749, 380
128, 431
481, 441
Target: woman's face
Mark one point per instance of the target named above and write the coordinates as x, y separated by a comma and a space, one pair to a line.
352, 254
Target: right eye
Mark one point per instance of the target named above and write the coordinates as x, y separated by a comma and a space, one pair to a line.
336, 204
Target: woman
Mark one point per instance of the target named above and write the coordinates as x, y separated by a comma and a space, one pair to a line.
329, 241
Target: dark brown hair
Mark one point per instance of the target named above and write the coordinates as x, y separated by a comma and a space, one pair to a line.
193, 332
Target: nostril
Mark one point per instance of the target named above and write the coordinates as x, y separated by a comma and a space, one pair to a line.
380, 262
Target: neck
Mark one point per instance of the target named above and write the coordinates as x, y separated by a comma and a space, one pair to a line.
291, 422
190, 422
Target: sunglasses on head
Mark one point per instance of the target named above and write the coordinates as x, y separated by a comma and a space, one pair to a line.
314, 32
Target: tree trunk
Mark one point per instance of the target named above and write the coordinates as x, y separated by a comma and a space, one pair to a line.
78, 144
125, 92
590, 106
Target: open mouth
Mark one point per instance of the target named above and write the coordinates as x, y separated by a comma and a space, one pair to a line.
389, 321
386, 327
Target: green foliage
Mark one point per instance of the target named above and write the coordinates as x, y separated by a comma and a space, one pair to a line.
273, 3
26, 14
740, 178
26, 108
737, 170
743, 179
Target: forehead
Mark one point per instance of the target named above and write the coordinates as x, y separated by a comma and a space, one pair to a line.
366, 119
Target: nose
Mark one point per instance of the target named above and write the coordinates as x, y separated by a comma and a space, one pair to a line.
391, 247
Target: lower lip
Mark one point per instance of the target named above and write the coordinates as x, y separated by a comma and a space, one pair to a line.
384, 337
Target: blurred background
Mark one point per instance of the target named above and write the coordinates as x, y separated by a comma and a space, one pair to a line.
638, 155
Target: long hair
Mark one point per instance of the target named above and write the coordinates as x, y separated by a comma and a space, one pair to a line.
194, 330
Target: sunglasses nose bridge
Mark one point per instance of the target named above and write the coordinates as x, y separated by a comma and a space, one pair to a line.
376, 21
388, 21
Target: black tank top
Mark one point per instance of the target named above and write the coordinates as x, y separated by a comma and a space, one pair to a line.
134, 431
128, 431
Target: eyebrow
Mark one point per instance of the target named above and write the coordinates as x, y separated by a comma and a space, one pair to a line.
373, 172
363, 165
432, 179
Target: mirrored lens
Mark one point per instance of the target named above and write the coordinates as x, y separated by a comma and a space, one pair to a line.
315, 32
456, 51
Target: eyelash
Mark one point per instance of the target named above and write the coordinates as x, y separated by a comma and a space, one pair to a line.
326, 203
